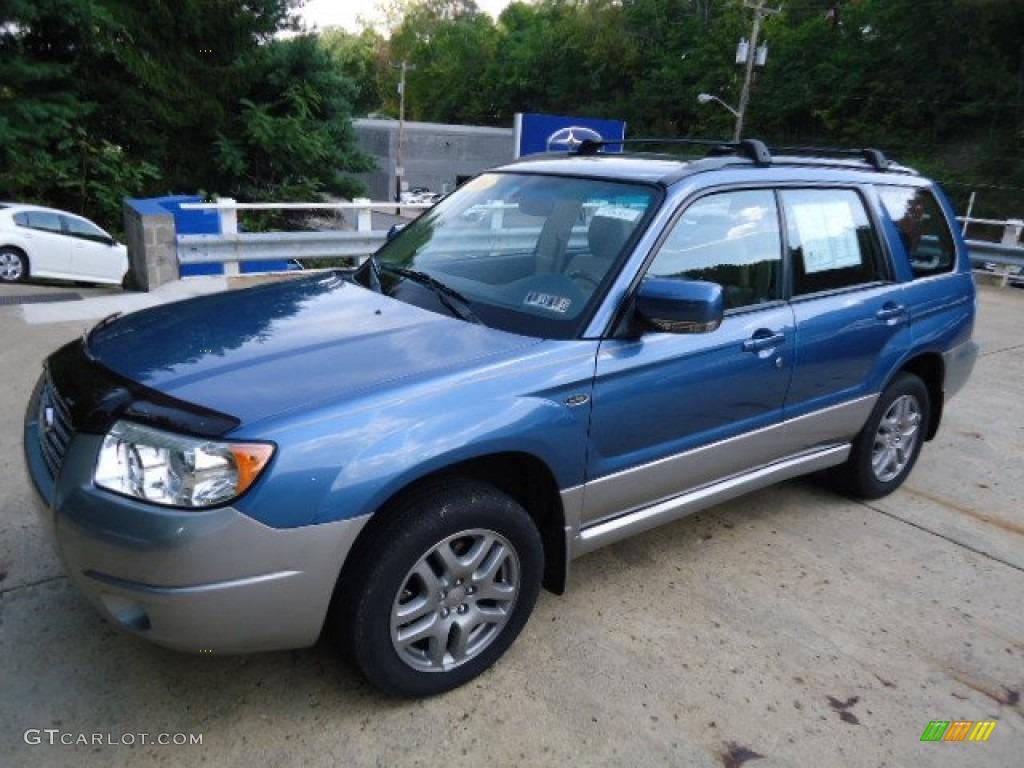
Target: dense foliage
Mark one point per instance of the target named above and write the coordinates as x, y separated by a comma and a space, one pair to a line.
106, 99
938, 83
103, 99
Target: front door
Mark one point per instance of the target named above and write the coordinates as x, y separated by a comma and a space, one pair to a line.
93, 254
672, 412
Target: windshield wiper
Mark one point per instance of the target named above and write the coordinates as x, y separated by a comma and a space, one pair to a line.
374, 274
366, 274
443, 292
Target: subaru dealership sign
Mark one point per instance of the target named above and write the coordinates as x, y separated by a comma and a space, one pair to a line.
558, 133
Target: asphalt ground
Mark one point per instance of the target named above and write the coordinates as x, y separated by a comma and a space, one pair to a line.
793, 627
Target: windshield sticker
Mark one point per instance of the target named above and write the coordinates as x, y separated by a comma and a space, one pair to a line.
618, 212
558, 304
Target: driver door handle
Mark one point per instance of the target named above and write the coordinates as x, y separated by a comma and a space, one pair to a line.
762, 340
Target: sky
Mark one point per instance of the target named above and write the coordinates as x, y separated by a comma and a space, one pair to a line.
344, 13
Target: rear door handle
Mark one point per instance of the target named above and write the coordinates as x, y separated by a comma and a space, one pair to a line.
763, 340
891, 314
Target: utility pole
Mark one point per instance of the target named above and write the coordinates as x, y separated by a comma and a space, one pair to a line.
751, 54
400, 160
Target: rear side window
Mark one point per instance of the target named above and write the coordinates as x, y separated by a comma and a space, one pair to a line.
44, 220
831, 243
923, 229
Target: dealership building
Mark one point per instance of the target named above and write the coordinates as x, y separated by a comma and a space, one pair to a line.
433, 155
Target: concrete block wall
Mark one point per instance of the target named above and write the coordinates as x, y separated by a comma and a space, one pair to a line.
152, 246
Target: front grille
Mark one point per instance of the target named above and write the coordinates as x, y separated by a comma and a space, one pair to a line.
54, 425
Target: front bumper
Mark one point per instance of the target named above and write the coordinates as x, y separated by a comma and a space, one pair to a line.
209, 581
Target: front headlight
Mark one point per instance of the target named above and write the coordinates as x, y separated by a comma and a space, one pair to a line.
176, 470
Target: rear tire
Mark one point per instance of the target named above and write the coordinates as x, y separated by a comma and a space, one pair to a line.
441, 589
887, 447
13, 265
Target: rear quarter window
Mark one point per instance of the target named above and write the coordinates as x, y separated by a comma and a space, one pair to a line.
923, 229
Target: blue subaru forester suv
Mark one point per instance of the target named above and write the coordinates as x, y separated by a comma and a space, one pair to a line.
565, 351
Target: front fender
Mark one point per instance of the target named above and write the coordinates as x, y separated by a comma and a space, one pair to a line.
552, 432
348, 460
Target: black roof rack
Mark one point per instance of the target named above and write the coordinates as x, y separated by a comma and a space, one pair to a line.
874, 157
753, 149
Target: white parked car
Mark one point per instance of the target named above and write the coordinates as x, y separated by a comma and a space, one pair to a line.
420, 195
44, 242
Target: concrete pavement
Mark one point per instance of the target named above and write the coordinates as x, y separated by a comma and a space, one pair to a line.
793, 627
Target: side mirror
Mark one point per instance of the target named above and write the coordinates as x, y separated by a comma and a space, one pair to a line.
680, 306
393, 232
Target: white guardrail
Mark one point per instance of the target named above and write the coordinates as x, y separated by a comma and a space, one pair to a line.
1005, 258
231, 246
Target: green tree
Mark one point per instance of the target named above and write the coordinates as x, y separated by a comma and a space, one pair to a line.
50, 150
291, 135
105, 99
448, 45
169, 79
361, 59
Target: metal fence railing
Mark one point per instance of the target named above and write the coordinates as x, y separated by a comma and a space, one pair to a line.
231, 246
1005, 258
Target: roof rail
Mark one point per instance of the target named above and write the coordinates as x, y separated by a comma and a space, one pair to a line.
752, 149
876, 158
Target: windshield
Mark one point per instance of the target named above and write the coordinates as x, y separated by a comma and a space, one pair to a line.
528, 254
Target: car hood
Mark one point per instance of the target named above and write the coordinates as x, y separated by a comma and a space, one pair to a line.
257, 352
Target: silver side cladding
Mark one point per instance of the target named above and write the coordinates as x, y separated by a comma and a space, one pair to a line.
958, 363
639, 487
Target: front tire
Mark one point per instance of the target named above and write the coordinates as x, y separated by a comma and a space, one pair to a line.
441, 590
13, 266
891, 440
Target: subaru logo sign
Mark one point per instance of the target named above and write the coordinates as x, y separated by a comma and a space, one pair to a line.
535, 133
568, 139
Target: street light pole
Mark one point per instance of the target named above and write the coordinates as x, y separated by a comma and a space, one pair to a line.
705, 98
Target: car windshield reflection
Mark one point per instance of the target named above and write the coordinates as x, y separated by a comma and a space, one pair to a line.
524, 253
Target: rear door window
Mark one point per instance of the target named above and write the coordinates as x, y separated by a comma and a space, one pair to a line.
42, 220
924, 230
831, 243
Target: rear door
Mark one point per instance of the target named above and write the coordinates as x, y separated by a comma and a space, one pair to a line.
49, 250
852, 321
